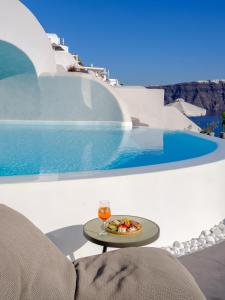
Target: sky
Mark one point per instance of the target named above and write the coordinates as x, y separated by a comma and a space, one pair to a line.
141, 41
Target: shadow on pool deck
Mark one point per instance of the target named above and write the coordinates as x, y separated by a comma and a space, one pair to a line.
68, 239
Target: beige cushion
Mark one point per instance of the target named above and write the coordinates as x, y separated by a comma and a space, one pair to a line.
31, 267
208, 268
135, 273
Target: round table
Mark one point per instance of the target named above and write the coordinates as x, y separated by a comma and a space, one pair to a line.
93, 230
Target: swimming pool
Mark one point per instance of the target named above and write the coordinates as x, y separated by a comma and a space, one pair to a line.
38, 149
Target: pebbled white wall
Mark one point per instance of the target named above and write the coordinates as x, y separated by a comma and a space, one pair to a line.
19, 27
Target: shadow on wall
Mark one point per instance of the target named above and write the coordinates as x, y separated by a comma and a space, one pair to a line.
76, 98
19, 88
13, 61
68, 239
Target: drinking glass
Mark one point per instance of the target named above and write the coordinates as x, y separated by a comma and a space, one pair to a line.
104, 211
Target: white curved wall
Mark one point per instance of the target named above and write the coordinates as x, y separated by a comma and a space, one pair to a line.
144, 104
69, 98
123, 106
19, 27
78, 97
147, 105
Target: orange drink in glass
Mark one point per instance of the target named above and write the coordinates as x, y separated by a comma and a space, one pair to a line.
104, 211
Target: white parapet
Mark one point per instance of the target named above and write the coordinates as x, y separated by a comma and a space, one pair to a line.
70, 98
143, 104
147, 107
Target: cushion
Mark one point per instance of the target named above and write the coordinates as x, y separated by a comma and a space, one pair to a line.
31, 267
208, 268
135, 273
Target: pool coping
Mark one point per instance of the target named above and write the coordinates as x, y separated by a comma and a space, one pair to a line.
115, 124
217, 155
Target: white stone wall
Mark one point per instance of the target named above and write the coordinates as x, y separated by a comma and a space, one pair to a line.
70, 97
147, 105
143, 104
78, 97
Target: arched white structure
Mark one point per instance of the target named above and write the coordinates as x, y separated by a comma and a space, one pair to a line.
20, 28
30, 93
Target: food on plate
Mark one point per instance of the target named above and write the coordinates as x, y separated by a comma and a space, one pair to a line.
124, 226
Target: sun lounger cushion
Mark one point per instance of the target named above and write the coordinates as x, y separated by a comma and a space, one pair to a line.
134, 273
31, 267
208, 269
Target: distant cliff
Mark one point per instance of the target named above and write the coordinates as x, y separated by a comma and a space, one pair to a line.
209, 94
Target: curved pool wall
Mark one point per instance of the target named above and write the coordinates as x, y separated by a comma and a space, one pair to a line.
183, 198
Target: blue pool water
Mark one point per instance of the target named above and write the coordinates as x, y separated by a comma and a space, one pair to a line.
26, 150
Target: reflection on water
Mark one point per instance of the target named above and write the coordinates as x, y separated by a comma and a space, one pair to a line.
26, 149
55, 149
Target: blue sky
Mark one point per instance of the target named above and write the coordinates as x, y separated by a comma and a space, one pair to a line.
142, 41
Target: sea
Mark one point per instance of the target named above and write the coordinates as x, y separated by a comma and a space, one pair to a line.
215, 121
